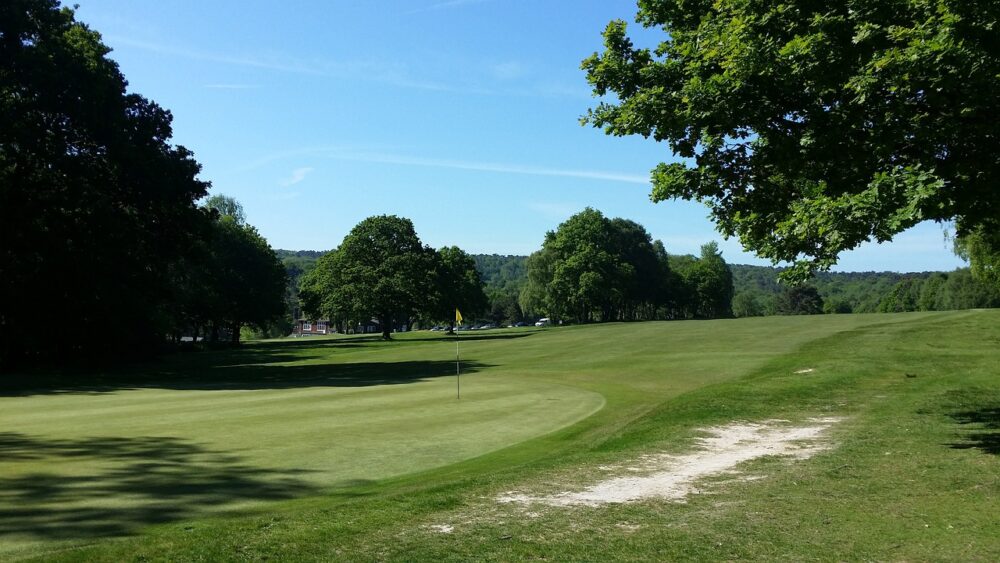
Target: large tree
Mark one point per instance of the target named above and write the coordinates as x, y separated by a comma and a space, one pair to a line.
595, 268
381, 271
811, 127
96, 206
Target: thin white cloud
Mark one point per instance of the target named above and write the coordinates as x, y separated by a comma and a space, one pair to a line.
393, 73
388, 73
231, 86
491, 167
297, 176
339, 153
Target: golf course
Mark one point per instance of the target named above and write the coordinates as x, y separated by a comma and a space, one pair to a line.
354, 448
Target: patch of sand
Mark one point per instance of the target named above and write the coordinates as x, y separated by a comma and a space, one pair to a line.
674, 477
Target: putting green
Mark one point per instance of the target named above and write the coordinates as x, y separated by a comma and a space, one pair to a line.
131, 451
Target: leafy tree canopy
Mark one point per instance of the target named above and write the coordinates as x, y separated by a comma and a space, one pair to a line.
595, 268
381, 270
811, 127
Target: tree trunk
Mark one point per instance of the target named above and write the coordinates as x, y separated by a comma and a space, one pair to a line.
235, 337
386, 328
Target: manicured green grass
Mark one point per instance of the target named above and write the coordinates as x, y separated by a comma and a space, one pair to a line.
351, 448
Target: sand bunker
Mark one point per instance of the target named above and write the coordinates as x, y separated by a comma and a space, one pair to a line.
673, 477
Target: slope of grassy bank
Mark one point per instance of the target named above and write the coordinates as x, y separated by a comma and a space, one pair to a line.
913, 474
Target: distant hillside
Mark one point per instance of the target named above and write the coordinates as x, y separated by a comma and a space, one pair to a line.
313, 254
870, 292
502, 272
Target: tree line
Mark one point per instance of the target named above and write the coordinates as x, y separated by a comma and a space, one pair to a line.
758, 292
106, 250
592, 268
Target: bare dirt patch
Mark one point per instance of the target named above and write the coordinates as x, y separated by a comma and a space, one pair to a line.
674, 477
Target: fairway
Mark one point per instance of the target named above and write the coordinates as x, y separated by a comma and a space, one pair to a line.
355, 445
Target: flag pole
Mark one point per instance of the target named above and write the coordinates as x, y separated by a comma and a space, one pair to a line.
458, 358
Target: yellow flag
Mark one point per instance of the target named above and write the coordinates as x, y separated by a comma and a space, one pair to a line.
458, 315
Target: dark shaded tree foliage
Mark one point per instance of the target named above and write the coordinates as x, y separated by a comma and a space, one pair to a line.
105, 250
248, 279
97, 208
811, 127
800, 300
458, 286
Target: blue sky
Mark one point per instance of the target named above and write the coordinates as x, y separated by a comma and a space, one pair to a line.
462, 115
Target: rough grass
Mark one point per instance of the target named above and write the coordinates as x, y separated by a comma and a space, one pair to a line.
224, 456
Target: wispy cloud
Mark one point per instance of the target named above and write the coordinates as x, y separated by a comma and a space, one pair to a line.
231, 86
338, 153
491, 167
297, 176
393, 73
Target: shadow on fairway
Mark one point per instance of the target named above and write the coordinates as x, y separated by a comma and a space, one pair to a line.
255, 377
157, 479
337, 342
985, 432
254, 365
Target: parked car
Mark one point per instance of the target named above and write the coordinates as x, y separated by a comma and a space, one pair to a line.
544, 321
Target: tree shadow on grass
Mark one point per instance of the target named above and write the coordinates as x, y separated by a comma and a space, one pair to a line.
376, 338
984, 432
129, 483
249, 377
978, 413
231, 368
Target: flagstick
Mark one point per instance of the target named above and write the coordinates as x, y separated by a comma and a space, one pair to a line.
458, 370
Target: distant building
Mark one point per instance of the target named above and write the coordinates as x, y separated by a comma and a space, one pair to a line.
307, 327
310, 327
